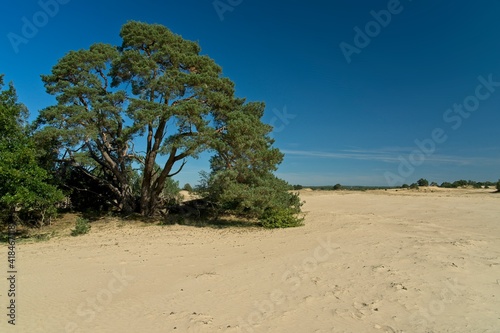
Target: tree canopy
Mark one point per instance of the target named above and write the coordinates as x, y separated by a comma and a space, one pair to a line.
150, 104
25, 193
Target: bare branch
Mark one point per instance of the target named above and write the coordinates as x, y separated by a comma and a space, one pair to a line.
180, 169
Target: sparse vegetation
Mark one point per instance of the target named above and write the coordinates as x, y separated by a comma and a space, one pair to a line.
82, 227
414, 186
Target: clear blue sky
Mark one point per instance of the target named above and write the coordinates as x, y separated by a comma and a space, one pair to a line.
351, 122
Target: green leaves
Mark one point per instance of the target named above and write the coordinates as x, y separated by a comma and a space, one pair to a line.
24, 191
156, 91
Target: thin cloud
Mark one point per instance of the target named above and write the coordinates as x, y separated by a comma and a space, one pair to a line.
392, 155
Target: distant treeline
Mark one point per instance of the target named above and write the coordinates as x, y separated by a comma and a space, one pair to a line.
420, 183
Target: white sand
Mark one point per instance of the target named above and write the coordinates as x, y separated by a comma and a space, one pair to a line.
380, 261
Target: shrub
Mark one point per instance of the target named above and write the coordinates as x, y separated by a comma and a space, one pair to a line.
414, 186
265, 198
26, 194
280, 218
188, 187
405, 186
498, 185
460, 183
82, 227
423, 182
337, 187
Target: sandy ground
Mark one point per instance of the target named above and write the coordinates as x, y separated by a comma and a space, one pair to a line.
377, 261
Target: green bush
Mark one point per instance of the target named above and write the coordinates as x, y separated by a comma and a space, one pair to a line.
281, 218
337, 187
265, 198
26, 194
460, 183
82, 227
423, 182
498, 185
188, 187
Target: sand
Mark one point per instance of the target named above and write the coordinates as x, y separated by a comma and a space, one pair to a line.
375, 261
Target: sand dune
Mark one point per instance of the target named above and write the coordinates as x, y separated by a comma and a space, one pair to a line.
377, 261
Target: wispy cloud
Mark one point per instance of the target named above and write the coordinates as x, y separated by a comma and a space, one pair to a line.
391, 155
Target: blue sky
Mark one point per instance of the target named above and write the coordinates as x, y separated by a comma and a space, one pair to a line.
351, 115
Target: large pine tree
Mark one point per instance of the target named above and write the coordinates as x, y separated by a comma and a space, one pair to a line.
155, 95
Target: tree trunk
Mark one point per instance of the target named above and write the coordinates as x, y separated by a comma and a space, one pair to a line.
128, 203
146, 192
146, 203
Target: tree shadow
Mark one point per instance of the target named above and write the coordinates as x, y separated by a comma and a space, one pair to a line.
213, 223
200, 213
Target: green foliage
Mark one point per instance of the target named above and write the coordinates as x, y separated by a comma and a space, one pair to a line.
423, 182
109, 97
188, 187
460, 183
475, 184
337, 187
465, 183
170, 194
25, 193
261, 198
280, 218
82, 227
498, 185
297, 187
242, 182
414, 186
405, 186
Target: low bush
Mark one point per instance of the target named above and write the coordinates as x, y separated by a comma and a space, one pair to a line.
281, 218
82, 227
